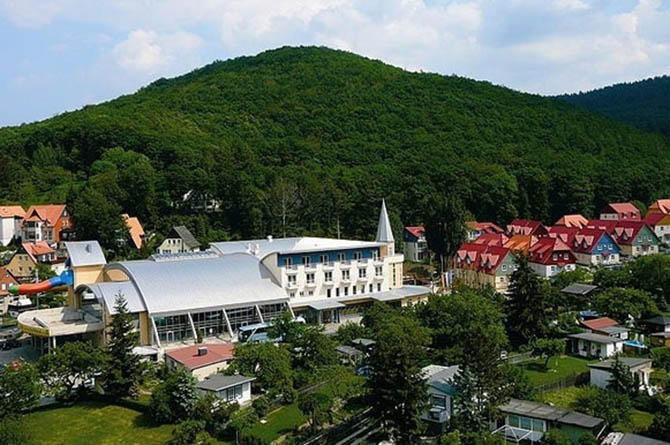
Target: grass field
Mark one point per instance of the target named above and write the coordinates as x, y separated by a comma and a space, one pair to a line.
279, 422
559, 367
94, 423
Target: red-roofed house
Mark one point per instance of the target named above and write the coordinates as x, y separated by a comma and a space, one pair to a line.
414, 244
564, 233
578, 221
620, 211
606, 326
10, 223
549, 256
45, 223
201, 360
660, 224
476, 229
479, 265
635, 238
520, 243
25, 260
593, 247
6, 280
492, 239
526, 227
659, 206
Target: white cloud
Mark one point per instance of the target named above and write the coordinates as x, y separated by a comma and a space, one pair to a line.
148, 51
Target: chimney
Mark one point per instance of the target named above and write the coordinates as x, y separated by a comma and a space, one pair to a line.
269, 238
202, 350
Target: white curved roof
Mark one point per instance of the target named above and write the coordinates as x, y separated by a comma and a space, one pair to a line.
264, 247
198, 284
108, 292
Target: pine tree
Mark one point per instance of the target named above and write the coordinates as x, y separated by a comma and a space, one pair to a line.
527, 304
123, 369
621, 380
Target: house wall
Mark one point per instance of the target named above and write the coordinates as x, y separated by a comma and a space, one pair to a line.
21, 266
601, 377
201, 373
662, 232
9, 228
442, 414
415, 251
173, 245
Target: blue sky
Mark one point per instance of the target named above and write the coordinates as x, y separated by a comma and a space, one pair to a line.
58, 55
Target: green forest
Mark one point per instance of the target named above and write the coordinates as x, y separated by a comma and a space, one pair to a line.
644, 104
307, 140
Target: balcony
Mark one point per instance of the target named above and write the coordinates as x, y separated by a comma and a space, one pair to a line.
328, 266
363, 261
346, 279
310, 284
379, 278
378, 261
346, 264
362, 279
291, 268
292, 285
310, 267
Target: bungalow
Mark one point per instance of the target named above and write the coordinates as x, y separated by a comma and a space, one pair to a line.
529, 421
549, 256
24, 262
659, 206
620, 211
201, 360
476, 229
48, 223
660, 323
478, 265
594, 247
6, 280
660, 224
179, 240
228, 388
577, 221
441, 390
492, 239
588, 344
639, 368
526, 227
10, 223
415, 247
635, 238
606, 326
520, 243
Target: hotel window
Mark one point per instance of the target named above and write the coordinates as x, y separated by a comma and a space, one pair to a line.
291, 294
337, 292
346, 291
328, 293
357, 255
362, 273
324, 258
362, 289
309, 278
379, 271
288, 261
345, 275
291, 279
353, 290
341, 257
328, 277
310, 293
302, 293
371, 288
379, 287
306, 260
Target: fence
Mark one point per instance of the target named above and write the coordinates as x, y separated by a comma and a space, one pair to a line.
571, 380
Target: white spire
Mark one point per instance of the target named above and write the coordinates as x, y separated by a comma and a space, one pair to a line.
384, 232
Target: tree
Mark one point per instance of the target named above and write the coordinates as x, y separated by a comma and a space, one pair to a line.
14, 432
349, 332
519, 385
68, 370
444, 222
398, 392
20, 389
610, 405
96, 217
215, 413
587, 439
317, 407
620, 303
661, 358
621, 380
240, 420
188, 432
471, 412
548, 348
285, 329
652, 274
174, 399
660, 425
555, 437
314, 350
527, 305
270, 364
123, 369
609, 278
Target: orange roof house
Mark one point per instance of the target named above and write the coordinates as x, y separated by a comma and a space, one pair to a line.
45, 223
659, 206
620, 211
577, 220
520, 243
134, 229
660, 224
25, 260
12, 212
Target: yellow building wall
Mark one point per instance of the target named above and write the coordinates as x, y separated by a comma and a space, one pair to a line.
21, 266
145, 329
83, 275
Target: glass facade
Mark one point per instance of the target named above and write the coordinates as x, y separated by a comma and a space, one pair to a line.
272, 311
210, 324
173, 328
242, 316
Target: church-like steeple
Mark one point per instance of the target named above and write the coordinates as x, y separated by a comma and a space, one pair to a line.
384, 232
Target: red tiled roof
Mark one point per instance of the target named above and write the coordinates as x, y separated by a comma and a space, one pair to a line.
417, 231
12, 212
486, 227
216, 353
48, 213
586, 239
659, 206
480, 257
526, 227
543, 251
564, 233
7, 278
626, 209
602, 224
657, 219
38, 248
492, 239
626, 231
599, 323
577, 221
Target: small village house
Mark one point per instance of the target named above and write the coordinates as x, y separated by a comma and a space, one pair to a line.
480, 266
415, 247
179, 240
550, 256
492, 239
617, 438
49, 223
228, 388
526, 227
659, 206
606, 326
660, 323
593, 247
635, 238
441, 391
579, 290
6, 280
660, 224
620, 211
476, 229
590, 345
201, 360
600, 373
576, 221
23, 263
10, 223
660, 339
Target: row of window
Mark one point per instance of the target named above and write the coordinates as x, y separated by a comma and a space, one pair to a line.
341, 291
526, 423
328, 275
307, 260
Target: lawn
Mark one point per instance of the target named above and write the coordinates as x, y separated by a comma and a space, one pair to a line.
559, 367
279, 422
94, 422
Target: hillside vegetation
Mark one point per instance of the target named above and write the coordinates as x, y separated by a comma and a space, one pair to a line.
295, 140
644, 104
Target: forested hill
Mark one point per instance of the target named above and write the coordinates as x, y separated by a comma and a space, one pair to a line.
319, 136
644, 104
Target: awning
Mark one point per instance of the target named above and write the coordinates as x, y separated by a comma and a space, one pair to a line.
320, 305
399, 294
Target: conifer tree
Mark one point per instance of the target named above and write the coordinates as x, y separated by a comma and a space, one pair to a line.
123, 369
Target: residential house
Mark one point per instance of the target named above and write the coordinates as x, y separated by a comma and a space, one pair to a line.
415, 247
588, 344
606, 326
228, 388
635, 238
527, 421
476, 229
6, 280
492, 239
349, 355
180, 240
520, 243
660, 224
199, 202
660, 323
620, 211
49, 223
617, 438
24, 262
135, 230
201, 360
441, 390
550, 256
10, 223
478, 265
659, 206
526, 227
576, 221
660, 339
595, 247
639, 368
580, 290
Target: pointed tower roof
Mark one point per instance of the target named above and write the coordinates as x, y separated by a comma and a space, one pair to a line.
384, 232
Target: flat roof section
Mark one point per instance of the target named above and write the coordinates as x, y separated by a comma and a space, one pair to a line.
595, 338
57, 322
219, 382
